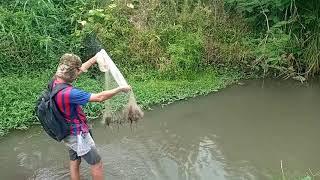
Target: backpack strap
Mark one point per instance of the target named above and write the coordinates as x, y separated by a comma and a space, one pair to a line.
56, 88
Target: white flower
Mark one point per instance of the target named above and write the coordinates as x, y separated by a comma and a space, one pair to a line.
83, 22
129, 5
112, 6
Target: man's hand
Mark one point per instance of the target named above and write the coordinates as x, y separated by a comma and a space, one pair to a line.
125, 88
101, 62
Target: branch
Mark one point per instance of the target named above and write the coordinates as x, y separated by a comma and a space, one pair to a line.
267, 20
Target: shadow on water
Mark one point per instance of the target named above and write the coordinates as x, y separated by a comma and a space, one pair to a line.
242, 132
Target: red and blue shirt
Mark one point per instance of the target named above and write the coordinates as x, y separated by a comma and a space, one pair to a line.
70, 101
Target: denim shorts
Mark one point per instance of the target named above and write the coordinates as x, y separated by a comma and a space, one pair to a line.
92, 157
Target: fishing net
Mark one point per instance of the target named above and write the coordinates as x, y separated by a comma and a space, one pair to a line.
123, 107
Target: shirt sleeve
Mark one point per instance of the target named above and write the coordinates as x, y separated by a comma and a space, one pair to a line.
78, 96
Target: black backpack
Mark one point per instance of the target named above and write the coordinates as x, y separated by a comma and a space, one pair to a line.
49, 115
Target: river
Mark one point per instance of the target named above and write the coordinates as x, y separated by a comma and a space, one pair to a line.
242, 132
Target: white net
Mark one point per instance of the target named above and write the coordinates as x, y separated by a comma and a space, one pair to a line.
123, 107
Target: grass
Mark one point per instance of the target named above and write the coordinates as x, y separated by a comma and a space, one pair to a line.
156, 91
19, 93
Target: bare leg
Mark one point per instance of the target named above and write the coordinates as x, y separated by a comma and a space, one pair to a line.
75, 169
97, 171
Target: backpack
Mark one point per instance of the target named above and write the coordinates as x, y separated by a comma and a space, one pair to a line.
49, 115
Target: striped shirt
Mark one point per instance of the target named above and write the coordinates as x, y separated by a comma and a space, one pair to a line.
70, 101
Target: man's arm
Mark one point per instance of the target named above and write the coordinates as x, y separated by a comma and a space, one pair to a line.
85, 66
105, 95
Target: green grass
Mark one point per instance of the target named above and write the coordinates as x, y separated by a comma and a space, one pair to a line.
19, 93
155, 91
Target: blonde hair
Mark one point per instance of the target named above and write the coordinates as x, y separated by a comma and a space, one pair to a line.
68, 68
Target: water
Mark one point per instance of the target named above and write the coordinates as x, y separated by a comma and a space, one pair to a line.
242, 132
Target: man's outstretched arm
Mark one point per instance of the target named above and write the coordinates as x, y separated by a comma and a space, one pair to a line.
105, 95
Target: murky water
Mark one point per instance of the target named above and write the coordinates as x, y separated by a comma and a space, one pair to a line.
242, 132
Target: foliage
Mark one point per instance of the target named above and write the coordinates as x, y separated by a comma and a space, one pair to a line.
165, 48
294, 24
148, 41
19, 93
165, 36
168, 36
32, 34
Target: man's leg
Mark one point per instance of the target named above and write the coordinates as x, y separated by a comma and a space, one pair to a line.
75, 169
94, 159
97, 171
74, 165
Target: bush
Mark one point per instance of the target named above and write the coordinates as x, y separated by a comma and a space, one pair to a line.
292, 29
33, 34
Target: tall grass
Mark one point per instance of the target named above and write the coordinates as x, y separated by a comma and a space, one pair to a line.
168, 36
286, 40
32, 34
311, 44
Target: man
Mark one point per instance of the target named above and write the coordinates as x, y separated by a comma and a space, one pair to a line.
69, 102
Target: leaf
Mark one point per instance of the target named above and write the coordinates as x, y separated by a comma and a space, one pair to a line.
306, 178
299, 78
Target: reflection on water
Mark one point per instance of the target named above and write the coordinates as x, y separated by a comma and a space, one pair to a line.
242, 132
207, 165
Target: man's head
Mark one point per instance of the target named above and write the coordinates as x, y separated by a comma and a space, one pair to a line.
69, 67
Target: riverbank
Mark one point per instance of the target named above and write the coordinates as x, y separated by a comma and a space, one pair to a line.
19, 92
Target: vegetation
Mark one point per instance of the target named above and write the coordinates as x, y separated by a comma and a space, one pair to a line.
286, 34
169, 50
159, 45
20, 93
